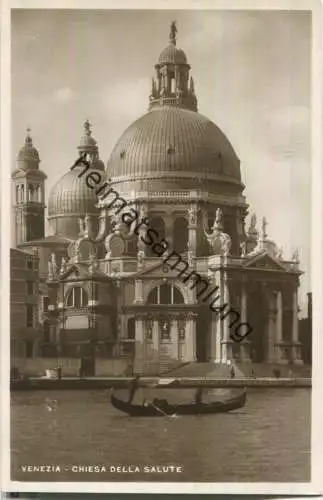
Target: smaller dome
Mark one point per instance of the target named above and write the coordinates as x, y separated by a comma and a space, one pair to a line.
28, 155
172, 55
71, 195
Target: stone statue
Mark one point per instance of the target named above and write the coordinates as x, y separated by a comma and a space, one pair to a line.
279, 254
81, 226
63, 265
219, 241
53, 264
173, 31
50, 270
243, 249
252, 231
263, 228
295, 255
140, 257
192, 215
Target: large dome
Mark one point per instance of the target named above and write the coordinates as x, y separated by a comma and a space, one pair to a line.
71, 195
174, 142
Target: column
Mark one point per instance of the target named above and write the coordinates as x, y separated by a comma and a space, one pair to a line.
225, 322
279, 317
296, 350
191, 338
244, 350
271, 331
139, 299
215, 327
139, 346
279, 355
192, 227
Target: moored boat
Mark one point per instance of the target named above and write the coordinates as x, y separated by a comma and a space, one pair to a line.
159, 407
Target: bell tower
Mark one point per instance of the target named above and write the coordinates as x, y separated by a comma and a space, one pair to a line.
172, 85
28, 195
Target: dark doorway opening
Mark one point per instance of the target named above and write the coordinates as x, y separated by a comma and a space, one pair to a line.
202, 327
259, 322
131, 330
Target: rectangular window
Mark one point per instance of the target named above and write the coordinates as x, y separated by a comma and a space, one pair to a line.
29, 315
30, 287
29, 264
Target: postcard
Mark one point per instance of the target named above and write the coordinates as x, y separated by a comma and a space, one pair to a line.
161, 247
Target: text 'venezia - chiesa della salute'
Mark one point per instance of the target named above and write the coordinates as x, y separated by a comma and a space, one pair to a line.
105, 293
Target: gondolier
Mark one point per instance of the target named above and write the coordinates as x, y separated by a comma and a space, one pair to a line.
134, 386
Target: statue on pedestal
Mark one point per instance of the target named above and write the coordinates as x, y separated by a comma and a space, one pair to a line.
219, 241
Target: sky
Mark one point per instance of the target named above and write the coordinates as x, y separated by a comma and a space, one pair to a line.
252, 78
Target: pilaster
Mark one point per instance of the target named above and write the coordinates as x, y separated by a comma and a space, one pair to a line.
296, 349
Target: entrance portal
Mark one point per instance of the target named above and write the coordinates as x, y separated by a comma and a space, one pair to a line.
202, 328
258, 313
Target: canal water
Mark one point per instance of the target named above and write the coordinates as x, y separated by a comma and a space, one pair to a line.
70, 432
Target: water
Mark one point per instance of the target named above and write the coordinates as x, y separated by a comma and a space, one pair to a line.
267, 440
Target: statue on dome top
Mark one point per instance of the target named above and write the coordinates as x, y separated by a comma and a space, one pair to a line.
173, 31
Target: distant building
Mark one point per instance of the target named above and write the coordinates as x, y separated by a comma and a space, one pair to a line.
103, 280
24, 303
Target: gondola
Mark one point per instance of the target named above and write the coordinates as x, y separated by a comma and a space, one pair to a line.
160, 407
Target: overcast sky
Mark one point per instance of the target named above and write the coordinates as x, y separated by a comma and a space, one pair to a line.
252, 78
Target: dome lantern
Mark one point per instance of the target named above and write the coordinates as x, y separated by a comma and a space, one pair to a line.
88, 148
28, 157
170, 86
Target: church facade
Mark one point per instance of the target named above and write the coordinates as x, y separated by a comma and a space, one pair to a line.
126, 240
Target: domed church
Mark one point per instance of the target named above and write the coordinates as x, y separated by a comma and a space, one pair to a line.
149, 260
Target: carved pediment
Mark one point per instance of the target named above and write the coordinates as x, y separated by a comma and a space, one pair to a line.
265, 262
78, 271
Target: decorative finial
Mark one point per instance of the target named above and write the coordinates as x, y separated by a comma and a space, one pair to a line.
191, 85
87, 128
28, 139
173, 31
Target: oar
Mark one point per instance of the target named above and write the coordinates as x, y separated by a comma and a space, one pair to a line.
161, 411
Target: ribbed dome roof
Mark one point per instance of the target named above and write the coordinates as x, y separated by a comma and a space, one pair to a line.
173, 141
71, 195
171, 54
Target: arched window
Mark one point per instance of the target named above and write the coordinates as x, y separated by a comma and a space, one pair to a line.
30, 192
180, 235
77, 298
158, 226
165, 294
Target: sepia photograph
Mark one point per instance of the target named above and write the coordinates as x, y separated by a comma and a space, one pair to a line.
161, 247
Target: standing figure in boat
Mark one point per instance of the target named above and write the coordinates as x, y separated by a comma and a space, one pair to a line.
134, 386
